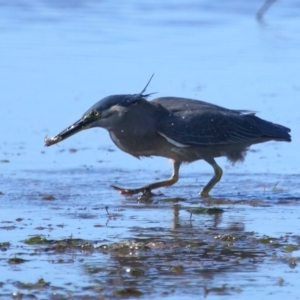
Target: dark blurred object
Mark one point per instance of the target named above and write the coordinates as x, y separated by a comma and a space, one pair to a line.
265, 7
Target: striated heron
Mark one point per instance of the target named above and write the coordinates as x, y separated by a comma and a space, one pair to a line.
183, 130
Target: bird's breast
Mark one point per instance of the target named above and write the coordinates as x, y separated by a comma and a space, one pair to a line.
117, 141
153, 145
135, 144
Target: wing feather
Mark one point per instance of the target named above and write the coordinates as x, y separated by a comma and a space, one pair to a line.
191, 122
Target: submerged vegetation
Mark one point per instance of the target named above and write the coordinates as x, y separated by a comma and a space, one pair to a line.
85, 244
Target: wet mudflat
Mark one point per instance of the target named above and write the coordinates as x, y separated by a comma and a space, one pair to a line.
66, 234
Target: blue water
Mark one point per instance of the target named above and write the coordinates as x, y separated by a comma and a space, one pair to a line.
57, 59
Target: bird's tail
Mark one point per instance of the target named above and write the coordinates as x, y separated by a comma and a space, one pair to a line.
273, 131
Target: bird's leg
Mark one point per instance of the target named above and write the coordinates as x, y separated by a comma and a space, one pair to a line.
146, 190
216, 178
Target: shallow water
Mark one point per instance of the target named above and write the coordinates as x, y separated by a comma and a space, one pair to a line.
154, 247
57, 59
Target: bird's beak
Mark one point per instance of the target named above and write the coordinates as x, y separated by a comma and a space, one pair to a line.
81, 124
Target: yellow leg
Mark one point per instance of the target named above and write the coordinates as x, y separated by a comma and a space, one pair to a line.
146, 190
216, 178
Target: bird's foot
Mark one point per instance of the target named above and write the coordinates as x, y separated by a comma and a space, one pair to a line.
204, 194
128, 192
146, 194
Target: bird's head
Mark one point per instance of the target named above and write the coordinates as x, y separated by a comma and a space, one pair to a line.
107, 113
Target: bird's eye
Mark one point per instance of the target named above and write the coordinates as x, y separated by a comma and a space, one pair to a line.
95, 113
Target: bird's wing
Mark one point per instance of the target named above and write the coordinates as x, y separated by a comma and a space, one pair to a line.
208, 127
186, 122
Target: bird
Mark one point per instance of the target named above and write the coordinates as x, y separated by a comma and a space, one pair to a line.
180, 129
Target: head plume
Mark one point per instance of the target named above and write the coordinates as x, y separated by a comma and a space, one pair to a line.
145, 88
